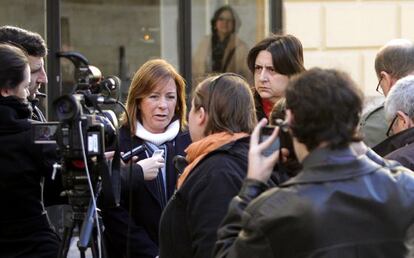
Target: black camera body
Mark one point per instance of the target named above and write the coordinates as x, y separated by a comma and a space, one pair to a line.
80, 127
84, 134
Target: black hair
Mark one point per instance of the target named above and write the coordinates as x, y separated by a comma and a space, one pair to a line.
31, 42
326, 106
13, 63
236, 19
286, 50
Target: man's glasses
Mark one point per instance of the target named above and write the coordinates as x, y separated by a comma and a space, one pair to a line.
389, 131
379, 88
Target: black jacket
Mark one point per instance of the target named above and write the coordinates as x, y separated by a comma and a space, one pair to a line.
394, 142
259, 106
147, 205
189, 222
338, 206
404, 155
24, 227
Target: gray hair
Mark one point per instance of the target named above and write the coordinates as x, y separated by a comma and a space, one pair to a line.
400, 98
396, 58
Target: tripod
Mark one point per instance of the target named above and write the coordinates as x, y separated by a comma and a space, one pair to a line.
88, 231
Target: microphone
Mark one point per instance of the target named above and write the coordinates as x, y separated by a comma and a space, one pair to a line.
180, 163
99, 99
134, 152
102, 92
110, 83
40, 94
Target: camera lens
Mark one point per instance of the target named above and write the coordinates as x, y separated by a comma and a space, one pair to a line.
67, 107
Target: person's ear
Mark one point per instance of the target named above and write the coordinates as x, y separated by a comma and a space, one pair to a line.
388, 82
289, 117
201, 116
5, 92
404, 120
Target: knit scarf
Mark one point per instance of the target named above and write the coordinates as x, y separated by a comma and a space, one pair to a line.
158, 138
199, 149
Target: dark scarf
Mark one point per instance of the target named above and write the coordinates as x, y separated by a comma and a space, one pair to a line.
218, 49
14, 115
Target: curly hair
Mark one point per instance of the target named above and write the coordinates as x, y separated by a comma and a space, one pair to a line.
326, 106
30, 41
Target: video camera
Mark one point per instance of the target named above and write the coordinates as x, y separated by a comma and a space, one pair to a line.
83, 134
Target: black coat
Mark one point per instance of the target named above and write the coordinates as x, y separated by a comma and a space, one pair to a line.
339, 205
24, 227
260, 114
147, 206
189, 222
404, 155
394, 142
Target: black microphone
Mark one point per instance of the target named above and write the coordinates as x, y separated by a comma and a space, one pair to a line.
110, 83
99, 99
134, 152
180, 163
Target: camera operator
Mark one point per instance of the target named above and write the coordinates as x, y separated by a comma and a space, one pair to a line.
340, 204
36, 49
24, 226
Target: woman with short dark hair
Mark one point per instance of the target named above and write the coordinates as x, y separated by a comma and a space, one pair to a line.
24, 227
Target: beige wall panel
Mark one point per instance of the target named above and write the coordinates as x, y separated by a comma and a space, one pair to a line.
348, 61
360, 24
304, 20
370, 78
407, 20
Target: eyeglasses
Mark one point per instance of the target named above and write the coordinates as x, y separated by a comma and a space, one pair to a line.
224, 19
389, 131
379, 88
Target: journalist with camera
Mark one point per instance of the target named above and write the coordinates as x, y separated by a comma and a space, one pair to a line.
24, 226
339, 205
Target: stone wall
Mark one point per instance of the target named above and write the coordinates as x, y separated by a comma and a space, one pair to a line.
348, 34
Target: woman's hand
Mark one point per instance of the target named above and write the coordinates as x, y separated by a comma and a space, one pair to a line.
261, 167
151, 166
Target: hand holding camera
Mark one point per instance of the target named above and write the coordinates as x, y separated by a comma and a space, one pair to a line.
263, 152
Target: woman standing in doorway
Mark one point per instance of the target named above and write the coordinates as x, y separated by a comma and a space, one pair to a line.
222, 51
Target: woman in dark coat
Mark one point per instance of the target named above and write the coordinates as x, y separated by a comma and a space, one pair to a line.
157, 110
220, 121
24, 227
